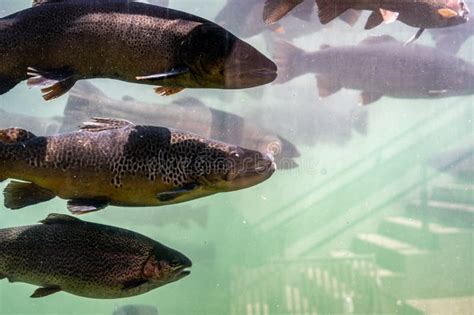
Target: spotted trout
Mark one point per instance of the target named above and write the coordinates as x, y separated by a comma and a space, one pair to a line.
86, 100
378, 66
87, 259
114, 162
57, 43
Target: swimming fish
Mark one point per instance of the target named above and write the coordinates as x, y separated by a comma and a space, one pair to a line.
378, 66
86, 100
421, 14
136, 309
114, 162
451, 39
55, 44
87, 259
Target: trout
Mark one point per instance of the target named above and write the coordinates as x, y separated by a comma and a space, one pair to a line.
378, 66
87, 259
114, 162
86, 100
57, 43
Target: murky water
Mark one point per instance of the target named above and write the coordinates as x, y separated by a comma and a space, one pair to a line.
368, 223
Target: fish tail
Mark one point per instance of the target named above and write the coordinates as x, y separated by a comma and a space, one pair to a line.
83, 102
328, 10
290, 60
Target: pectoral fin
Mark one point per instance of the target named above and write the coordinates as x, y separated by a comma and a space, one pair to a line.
45, 291
367, 98
327, 86
53, 84
83, 206
20, 194
171, 195
173, 73
168, 90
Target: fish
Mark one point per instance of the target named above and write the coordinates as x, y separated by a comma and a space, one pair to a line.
420, 14
37, 125
451, 39
136, 309
115, 162
379, 66
86, 100
245, 19
55, 44
64, 253
458, 161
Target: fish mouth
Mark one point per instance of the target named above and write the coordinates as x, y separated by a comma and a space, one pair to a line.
181, 272
259, 170
239, 77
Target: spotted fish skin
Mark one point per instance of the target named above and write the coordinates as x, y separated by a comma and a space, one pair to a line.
56, 44
86, 259
119, 163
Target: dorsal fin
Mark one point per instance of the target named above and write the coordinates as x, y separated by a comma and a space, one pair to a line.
379, 40
99, 124
14, 135
56, 218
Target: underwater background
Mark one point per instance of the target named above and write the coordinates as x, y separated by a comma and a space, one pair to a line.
365, 224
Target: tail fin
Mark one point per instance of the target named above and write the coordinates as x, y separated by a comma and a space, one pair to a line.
274, 10
328, 10
290, 61
83, 102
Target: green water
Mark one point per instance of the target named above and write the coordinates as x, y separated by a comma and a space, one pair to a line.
358, 227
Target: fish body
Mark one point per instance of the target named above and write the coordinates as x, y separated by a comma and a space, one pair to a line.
118, 163
86, 259
379, 66
421, 14
451, 39
53, 45
189, 114
136, 309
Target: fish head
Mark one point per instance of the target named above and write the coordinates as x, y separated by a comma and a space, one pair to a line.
239, 168
166, 265
218, 59
452, 12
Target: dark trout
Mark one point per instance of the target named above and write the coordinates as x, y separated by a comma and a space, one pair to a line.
378, 66
422, 13
86, 100
91, 260
55, 44
114, 162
